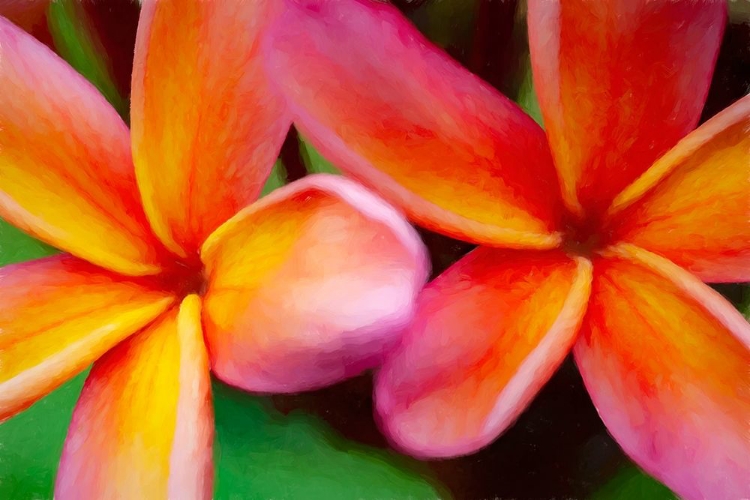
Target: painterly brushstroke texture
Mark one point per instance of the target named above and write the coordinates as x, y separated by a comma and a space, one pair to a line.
206, 133
621, 84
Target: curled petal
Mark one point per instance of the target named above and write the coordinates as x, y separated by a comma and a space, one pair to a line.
66, 174
666, 360
308, 286
488, 333
206, 126
143, 426
619, 83
693, 205
399, 114
58, 315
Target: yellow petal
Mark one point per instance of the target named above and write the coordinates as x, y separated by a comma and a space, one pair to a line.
143, 426
206, 126
693, 205
58, 315
66, 174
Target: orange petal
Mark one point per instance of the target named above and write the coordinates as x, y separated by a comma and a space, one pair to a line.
206, 127
619, 83
143, 426
488, 334
693, 205
59, 314
666, 360
308, 286
66, 174
399, 114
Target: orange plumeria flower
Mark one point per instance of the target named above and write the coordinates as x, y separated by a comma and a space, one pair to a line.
599, 246
167, 275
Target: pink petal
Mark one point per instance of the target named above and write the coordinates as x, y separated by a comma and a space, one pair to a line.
392, 110
488, 333
308, 286
666, 360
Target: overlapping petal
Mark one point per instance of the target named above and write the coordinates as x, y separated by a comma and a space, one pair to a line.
59, 314
488, 333
369, 91
619, 83
308, 286
206, 126
666, 360
66, 174
693, 205
143, 426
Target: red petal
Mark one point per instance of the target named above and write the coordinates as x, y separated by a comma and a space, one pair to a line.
693, 205
399, 114
57, 316
666, 360
488, 333
619, 83
206, 126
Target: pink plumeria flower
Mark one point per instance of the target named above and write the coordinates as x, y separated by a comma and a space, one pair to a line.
595, 237
173, 269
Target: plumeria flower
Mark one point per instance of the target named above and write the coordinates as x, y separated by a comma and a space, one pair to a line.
599, 246
172, 268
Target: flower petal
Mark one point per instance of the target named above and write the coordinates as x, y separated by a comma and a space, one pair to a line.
59, 314
666, 360
619, 83
693, 205
399, 114
66, 172
206, 127
143, 426
27, 14
308, 286
488, 333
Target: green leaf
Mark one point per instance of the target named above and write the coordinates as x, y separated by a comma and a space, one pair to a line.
78, 42
744, 303
259, 454
314, 161
263, 454
738, 294
526, 97
630, 483
16, 246
447, 22
276, 179
31, 444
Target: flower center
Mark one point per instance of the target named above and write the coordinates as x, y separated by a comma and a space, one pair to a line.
185, 278
583, 236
